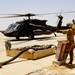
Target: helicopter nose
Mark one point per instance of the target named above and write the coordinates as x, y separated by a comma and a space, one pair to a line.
7, 33
1, 31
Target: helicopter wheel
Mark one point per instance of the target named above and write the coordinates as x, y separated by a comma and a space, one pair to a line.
31, 37
17, 37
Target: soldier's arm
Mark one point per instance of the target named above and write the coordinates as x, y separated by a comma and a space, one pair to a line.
73, 28
74, 31
62, 31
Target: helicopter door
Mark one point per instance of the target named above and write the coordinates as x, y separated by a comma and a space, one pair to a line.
21, 30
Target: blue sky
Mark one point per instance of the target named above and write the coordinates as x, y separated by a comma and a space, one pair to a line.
36, 7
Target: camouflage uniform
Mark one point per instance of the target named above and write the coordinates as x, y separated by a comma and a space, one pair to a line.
70, 46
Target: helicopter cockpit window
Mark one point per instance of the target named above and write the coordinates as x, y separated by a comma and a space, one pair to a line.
13, 26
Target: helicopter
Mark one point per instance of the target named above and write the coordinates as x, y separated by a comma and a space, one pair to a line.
30, 27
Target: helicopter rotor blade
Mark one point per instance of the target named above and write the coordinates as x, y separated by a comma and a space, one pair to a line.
17, 15
10, 16
57, 13
30, 14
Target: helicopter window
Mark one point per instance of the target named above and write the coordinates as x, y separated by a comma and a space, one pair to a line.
13, 26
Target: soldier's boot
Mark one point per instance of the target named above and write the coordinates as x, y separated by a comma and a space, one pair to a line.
71, 57
71, 60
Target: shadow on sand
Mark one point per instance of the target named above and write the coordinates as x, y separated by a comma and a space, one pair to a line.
70, 66
39, 39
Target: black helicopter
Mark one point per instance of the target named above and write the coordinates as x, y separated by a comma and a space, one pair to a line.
30, 27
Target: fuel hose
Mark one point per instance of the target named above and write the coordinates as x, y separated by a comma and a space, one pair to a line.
35, 47
6, 62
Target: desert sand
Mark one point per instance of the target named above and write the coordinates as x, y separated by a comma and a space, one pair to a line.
23, 66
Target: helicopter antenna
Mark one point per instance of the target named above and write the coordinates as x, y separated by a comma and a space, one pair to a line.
61, 12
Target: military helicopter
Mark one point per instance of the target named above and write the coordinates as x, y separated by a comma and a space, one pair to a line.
30, 27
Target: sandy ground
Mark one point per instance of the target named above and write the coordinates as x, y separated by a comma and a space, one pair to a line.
23, 66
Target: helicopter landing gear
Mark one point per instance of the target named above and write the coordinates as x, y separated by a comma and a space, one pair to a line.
31, 37
17, 37
55, 34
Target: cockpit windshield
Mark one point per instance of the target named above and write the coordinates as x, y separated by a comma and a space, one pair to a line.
13, 26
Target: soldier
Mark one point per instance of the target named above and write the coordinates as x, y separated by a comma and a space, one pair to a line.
7, 45
70, 38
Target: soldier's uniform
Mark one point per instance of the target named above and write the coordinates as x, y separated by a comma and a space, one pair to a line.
70, 46
7, 45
